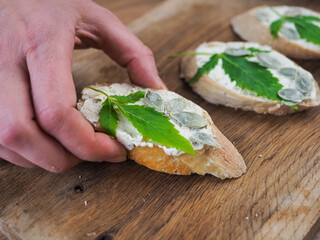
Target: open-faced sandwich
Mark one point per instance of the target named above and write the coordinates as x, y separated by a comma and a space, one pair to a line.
161, 130
249, 76
293, 31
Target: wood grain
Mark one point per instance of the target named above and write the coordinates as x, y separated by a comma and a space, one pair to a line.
278, 197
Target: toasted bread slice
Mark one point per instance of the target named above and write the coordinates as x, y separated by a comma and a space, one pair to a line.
222, 160
253, 26
217, 87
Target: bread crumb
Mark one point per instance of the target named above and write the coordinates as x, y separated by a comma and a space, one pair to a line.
91, 234
260, 156
85, 203
256, 214
247, 218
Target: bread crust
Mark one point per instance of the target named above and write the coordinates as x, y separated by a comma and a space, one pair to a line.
213, 92
223, 162
251, 29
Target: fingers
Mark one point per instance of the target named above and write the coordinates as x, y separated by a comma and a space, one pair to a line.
21, 139
106, 31
54, 99
14, 158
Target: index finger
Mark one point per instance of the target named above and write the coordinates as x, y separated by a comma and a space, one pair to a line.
109, 34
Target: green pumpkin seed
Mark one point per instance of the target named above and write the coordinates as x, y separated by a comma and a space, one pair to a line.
304, 83
288, 103
290, 94
191, 120
268, 61
237, 51
154, 100
205, 139
290, 33
261, 15
176, 105
288, 72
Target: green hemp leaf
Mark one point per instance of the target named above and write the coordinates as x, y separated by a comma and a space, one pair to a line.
108, 118
206, 68
247, 75
131, 98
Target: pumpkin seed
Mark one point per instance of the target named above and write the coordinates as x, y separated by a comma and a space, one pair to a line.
304, 83
154, 100
267, 61
189, 119
175, 105
205, 139
237, 51
261, 15
290, 33
288, 103
290, 94
288, 72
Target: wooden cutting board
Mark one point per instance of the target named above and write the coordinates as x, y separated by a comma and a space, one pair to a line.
278, 197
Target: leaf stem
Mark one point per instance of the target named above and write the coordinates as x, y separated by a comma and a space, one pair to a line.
276, 12
190, 53
97, 90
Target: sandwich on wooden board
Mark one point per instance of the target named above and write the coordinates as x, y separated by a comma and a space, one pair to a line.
293, 31
161, 130
249, 76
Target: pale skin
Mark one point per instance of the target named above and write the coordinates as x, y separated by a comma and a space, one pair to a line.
39, 121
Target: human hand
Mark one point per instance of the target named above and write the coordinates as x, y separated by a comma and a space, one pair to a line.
40, 125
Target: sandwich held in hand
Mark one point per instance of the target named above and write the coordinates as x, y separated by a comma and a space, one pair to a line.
293, 31
161, 130
249, 76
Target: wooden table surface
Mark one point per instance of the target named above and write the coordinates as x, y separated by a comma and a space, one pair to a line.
278, 197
